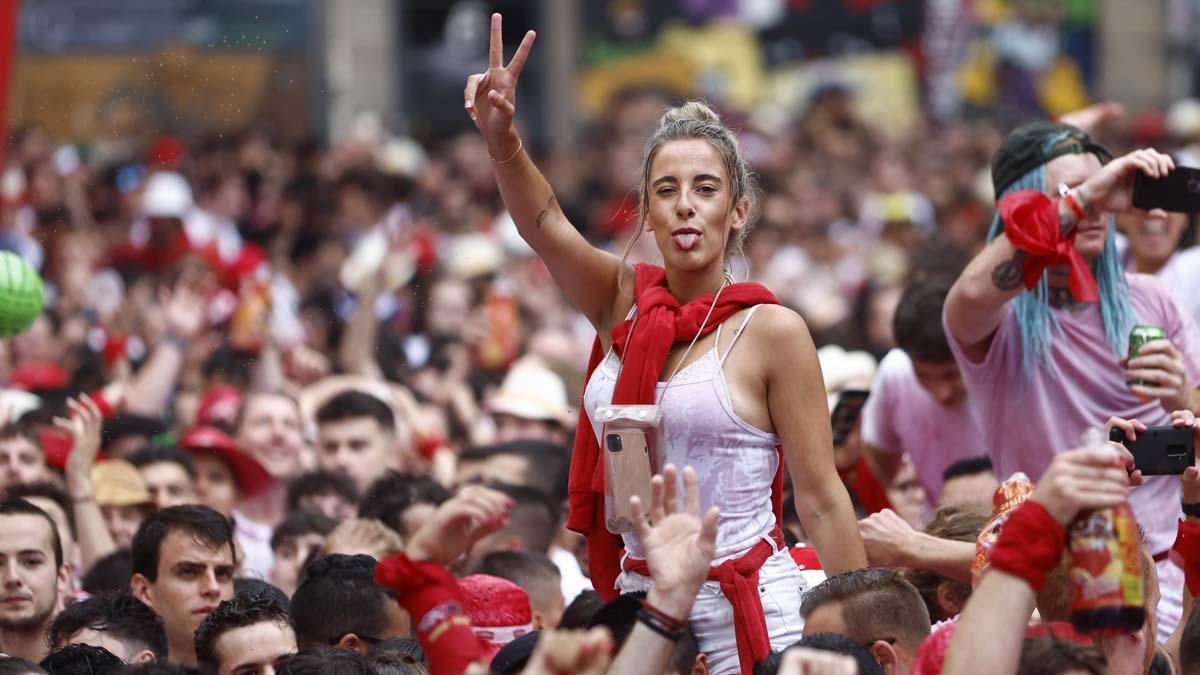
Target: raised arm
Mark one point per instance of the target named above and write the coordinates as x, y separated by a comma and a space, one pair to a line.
796, 399
585, 273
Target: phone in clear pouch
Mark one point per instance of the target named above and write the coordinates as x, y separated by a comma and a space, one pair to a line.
630, 459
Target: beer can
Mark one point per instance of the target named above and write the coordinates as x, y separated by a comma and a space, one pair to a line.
1140, 335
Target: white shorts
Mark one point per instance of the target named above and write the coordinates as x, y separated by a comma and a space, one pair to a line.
780, 586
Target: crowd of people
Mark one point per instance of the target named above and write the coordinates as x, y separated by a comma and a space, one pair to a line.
324, 409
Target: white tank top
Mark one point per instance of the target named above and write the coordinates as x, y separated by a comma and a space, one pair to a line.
735, 461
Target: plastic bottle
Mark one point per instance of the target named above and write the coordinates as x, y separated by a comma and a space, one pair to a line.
1105, 572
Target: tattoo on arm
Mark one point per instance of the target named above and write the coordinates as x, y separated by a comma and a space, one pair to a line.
545, 212
1007, 275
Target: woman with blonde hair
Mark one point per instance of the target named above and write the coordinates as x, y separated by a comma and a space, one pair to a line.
667, 337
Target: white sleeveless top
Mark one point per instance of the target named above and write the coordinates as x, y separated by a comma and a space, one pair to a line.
735, 461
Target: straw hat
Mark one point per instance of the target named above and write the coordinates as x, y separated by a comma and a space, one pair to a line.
116, 482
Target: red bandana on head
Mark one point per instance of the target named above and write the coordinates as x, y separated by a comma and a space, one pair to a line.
661, 323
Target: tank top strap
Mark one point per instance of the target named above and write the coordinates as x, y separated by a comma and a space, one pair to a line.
736, 334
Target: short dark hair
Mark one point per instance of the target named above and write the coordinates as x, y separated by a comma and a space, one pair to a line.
243, 610
339, 596
11, 665
968, 467
354, 404
46, 490
110, 573
159, 668
917, 324
15, 506
582, 609
534, 516
298, 524
1050, 656
528, 569
876, 603
1189, 643
82, 660
319, 483
21, 429
322, 660
550, 459
619, 616
389, 496
826, 642
155, 454
120, 615
398, 656
252, 586
203, 523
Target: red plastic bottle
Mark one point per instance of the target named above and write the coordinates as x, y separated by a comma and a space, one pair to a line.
1105, 572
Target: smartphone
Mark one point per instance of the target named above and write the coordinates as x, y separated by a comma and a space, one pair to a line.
1178, 191
1160, 451
845, 413
628, 462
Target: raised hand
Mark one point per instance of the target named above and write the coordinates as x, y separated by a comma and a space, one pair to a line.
84, 425
1190, 478
805, 661
472, 514
887, 538
679, 545
491, 98
1111, 188
571, 651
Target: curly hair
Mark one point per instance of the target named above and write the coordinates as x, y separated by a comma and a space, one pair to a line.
244, 610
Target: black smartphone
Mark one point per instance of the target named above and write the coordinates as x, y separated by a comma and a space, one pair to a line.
1178, 191
1160, 451
846, 412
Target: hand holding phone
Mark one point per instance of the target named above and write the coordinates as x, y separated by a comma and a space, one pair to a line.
1178, 191
1160, 451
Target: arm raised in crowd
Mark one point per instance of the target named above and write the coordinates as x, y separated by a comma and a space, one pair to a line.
975, 305
185, 311
85, 426
990, 632
679, 549
891, 542
586, 274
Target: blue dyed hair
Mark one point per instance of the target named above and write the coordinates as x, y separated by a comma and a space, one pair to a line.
1032, 306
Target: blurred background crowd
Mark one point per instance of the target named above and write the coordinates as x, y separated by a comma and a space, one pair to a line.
275, 254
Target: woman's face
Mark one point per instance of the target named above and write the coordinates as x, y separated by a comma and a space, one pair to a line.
1153, 235
688, 205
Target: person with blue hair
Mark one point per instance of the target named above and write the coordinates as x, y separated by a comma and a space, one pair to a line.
1039, 321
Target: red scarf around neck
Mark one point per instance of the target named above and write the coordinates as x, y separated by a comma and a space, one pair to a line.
661, 323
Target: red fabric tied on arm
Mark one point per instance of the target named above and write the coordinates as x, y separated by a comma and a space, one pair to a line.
1031, 224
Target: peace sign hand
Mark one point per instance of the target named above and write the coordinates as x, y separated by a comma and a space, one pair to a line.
491, 98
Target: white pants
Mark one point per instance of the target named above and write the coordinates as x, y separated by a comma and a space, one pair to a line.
1170, 601
779, 585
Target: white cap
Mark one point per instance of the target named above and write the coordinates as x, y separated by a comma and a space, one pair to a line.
532, 391
166, 195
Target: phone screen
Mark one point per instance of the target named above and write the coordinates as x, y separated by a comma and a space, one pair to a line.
1178, 192
845, 413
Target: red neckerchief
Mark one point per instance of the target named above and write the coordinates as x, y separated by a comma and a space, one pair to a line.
662, 322
1031, 224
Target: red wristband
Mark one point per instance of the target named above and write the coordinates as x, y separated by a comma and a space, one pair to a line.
1076, 208
429, 446
1187, 545
1030, 545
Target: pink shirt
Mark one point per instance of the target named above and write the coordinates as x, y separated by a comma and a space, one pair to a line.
1026, 421
901, 417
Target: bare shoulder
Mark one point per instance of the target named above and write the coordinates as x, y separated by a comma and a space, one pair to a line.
776, 325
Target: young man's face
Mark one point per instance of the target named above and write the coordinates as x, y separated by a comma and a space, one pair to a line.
270, 431
169, 484
942, 380
123, 522
21, 462
357, 447
193, 578
512, 428
256, 649
215, 484
1074, 170
290, 557
31, 580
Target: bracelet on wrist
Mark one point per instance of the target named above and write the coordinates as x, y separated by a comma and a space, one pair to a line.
520, 146
1191, 509
656, 622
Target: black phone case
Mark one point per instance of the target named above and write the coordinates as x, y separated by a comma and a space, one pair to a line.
1178, 192
1160, 451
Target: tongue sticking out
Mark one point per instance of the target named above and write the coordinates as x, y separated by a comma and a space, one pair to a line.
686, 241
